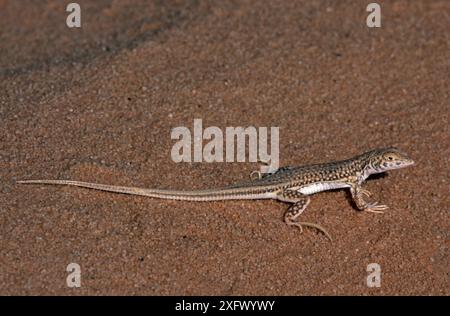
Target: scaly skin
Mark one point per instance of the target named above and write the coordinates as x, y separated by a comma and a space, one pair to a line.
287, 184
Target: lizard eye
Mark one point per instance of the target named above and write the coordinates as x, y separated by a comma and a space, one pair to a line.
390, 158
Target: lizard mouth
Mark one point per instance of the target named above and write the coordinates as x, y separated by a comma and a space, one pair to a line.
401, 164
409, 162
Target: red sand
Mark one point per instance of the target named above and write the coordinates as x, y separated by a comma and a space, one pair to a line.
98, 104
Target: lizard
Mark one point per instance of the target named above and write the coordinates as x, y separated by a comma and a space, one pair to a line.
287, 184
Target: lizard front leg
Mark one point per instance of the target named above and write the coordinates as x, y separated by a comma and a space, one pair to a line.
357, 194
300, 202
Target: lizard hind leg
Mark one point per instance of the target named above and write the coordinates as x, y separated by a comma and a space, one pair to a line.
300, 202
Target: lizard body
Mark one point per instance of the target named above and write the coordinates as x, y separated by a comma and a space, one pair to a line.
287, 184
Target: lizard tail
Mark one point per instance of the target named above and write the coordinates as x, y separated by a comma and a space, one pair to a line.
198, 196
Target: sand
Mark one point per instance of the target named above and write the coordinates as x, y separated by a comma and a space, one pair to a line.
99, 103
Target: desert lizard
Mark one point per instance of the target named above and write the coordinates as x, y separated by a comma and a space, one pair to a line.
287, 184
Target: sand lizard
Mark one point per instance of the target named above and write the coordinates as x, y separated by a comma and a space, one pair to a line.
287, 184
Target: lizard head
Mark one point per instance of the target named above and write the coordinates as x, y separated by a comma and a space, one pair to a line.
381, 160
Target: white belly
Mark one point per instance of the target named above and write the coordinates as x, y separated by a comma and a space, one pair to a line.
319, 187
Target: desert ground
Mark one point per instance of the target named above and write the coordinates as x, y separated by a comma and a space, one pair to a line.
98, 103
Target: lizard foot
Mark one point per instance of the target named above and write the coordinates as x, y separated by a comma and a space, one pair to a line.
375, 208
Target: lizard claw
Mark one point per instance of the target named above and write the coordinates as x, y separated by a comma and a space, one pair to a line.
376, 208
366, 192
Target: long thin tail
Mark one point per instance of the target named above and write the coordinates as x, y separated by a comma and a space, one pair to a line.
200, 195
231, 193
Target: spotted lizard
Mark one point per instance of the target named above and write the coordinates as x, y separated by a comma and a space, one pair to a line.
288, 184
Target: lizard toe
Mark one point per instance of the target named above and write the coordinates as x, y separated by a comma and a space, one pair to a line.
376, 208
